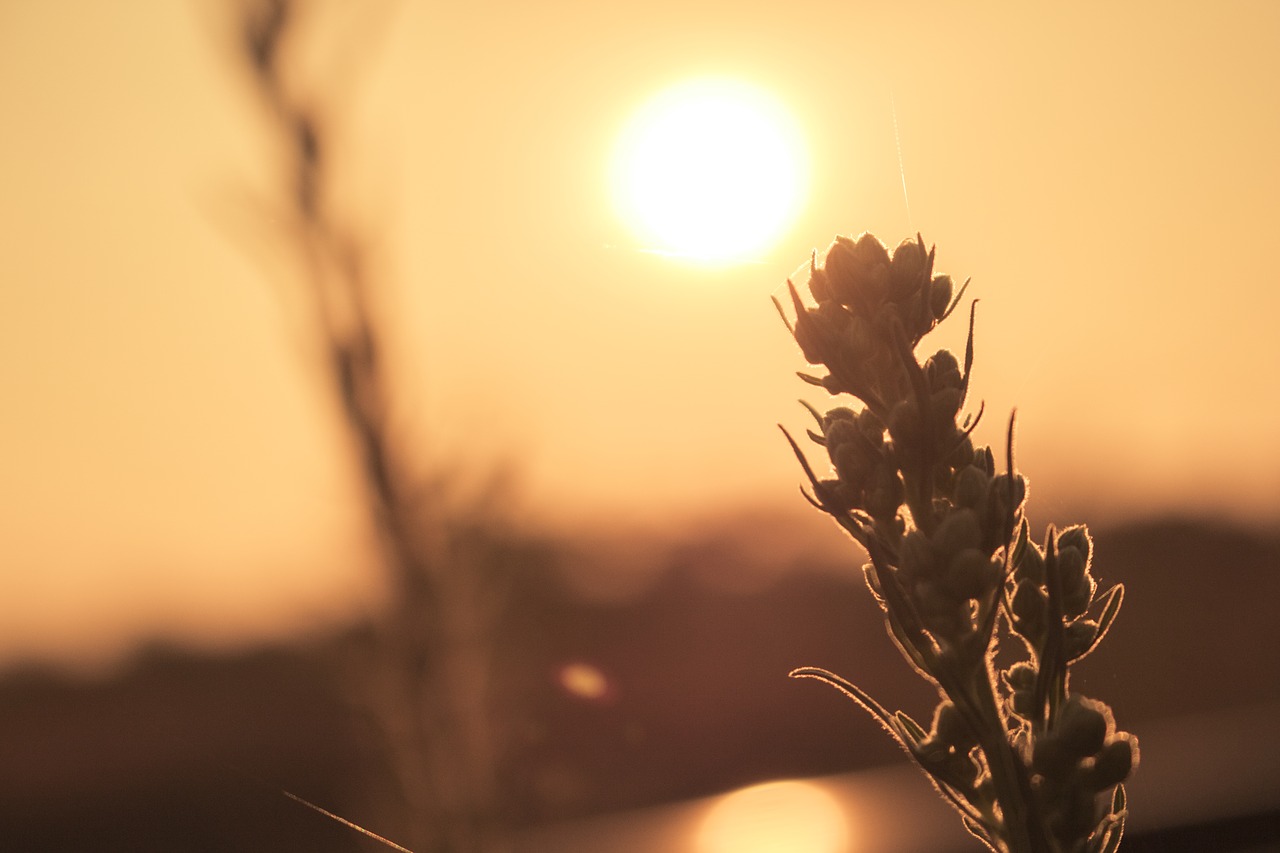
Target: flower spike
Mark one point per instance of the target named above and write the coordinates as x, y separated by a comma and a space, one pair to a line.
1030, 765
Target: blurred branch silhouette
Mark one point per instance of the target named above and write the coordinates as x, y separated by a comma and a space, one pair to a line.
429, 688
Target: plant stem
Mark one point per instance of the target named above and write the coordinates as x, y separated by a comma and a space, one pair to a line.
1024, 825
949, 551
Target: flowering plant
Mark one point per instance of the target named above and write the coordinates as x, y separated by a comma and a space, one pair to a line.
1032, 766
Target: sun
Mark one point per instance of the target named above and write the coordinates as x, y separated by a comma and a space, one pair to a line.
711, 169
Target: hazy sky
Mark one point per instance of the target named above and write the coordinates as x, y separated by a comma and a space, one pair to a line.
169, 456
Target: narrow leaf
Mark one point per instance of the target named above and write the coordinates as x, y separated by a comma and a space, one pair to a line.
857, 694
972, 817
1113, 837
1111, 830
1111, 601
911, 727
968, 350
817, 416
783, 314
955, 300
1101, 837
804, 463
858, 526
869, 575
977, 831
907, 648
1020, 544
972, 421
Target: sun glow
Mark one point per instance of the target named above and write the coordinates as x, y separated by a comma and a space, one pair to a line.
711, 169
776, 817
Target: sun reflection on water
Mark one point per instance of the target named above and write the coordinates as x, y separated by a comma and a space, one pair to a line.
776, 817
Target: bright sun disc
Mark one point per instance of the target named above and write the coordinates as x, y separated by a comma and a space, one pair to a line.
710, 169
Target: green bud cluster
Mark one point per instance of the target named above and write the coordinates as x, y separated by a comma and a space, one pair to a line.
1026, 762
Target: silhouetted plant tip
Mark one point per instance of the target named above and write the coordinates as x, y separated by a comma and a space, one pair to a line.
1030, 765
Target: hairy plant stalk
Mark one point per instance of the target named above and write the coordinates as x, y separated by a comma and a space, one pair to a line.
1031, 766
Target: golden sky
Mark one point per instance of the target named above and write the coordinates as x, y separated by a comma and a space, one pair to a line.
1106, 173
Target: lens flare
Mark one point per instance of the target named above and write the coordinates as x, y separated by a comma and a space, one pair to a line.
584, 681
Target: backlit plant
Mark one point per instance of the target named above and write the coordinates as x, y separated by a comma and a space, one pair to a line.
1032, 766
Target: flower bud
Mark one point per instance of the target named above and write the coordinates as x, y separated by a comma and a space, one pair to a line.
950, 728
857, 343
1022, 702
945, 615
885, 492
1082, 725
1001, 487
817, 333
963, 455
1021, 676
1077, 586
916, 319
1070, 566
1075, 602
839, 413
1000, 515
1077, 637
971, 487
818, 285
853, 462
986, 461
958, 531
1077, 536
908, 268
857, 271
1115, 762
943, 371
836, 496
885, 319
1029, 616
1051, 757
872, 427
1031, 566
940, 290
915, 558
944, 405
838, 431
904, 425
972, 574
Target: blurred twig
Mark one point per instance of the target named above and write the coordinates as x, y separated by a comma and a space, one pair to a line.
430, 691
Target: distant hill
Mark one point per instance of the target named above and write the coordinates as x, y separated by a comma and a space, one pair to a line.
181, 752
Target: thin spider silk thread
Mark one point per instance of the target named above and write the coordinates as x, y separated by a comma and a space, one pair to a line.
902, 172
897, 138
